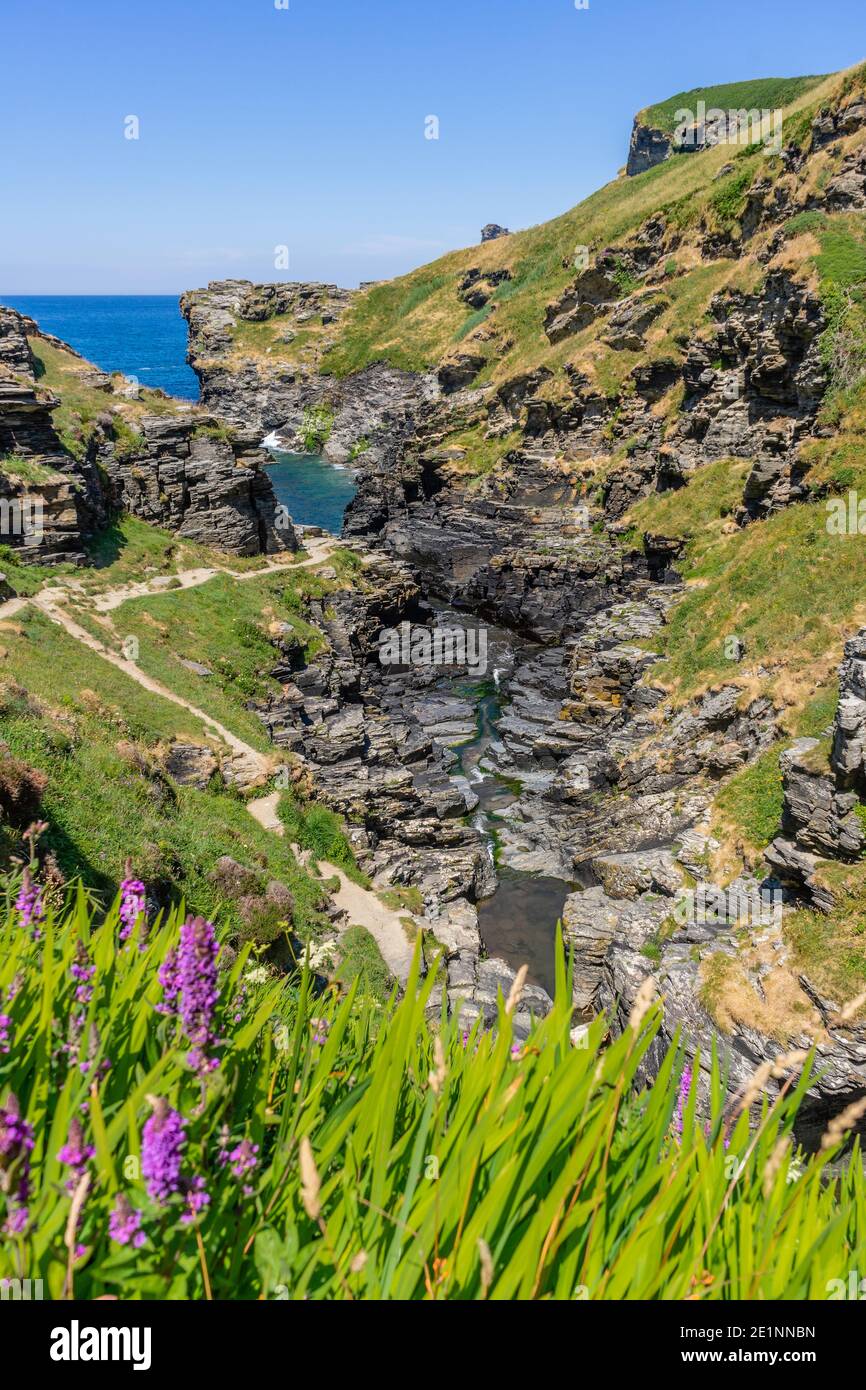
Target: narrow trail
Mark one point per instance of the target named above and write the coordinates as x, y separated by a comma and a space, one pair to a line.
320, 549
361, 906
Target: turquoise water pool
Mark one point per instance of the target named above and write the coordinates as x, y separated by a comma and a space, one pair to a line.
314, 492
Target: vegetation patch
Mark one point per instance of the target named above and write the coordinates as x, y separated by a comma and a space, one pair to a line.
763, 93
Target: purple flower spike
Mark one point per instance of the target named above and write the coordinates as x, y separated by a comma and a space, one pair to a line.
197, 1200
163, 1142
168, 978
76, 1154
5, 1033
133, 904
16, 1143
124, 1224
82, 970
198, 989
28, 905
682, 1098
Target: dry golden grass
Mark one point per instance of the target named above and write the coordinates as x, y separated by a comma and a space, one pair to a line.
755, 990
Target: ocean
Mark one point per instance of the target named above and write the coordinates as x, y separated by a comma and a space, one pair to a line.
142, 335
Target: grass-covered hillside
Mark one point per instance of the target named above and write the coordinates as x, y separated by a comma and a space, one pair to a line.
761, 93
418, 319
86, 394
89, 749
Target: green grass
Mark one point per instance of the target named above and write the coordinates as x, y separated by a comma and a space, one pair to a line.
387, 313
762, 92
97, 735
81, 403
360, 960
130, 550
459, 1168
28, 579
751, 584
728, 199
222, 625
482, 454
696, 511
752, 799
321, 831
27, 470
831, 947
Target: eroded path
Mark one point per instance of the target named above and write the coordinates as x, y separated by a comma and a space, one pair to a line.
361, 906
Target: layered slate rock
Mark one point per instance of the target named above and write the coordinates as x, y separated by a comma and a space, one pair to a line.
51, 502
820, 818
271, 396
647, 148
180, 469
207, 486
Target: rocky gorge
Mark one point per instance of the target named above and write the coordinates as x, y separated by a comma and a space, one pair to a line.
499, 482
590, 776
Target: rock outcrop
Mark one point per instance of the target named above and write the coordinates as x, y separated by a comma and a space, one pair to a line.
824, 789
180, 469
50, 502
647, 148
207, 484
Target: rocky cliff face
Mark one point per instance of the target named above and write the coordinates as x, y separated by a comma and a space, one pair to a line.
180, 469
615, 780
274, 389
53, 502
647, 147
191, 477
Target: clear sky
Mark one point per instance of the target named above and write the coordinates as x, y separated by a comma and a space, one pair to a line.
305, 126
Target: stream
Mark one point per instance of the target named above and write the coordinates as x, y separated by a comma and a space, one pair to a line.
518, 922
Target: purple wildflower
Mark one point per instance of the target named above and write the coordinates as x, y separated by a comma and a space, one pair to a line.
16, 1143
28, 905
321, 1028
197, 1199
197, 989
168, 978
239, 1004
244, 1160
5, 1029
124, 1224
75, 1153
682, 1098
133, 904
83, 970
162, 1151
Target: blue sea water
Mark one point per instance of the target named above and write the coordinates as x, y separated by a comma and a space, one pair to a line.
314, 492
142, 335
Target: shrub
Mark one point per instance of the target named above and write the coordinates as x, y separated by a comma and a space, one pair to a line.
316, 428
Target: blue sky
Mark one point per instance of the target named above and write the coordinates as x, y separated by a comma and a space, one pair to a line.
262, 127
